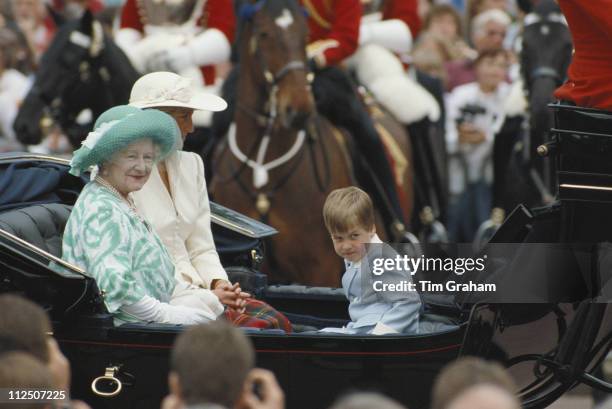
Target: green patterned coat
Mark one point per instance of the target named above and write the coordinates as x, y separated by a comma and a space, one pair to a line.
115, 247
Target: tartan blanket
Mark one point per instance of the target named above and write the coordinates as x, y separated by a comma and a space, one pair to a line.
259, 314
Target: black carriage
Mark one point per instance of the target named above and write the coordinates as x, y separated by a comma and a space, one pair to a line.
312, 368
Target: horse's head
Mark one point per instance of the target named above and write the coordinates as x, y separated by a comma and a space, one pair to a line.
272, 48
77, 79
545, 56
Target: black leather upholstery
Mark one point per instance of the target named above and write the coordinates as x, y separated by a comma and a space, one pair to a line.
40, 225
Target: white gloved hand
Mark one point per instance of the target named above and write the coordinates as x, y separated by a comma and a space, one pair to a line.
392, 34
178, 314
175, 60
150, 309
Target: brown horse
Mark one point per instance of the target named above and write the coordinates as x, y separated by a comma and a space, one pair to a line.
280, 159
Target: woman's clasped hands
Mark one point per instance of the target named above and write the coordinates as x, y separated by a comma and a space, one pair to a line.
230, 295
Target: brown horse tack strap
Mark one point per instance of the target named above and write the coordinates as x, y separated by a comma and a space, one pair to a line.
313, 133
340, 138
398, 159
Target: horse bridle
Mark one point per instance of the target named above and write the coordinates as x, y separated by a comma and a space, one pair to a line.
94, 46
545, 71
266, 120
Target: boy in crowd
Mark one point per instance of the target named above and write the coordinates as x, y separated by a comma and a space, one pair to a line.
212, 367
475, 113
461, 380
19, 371
348, 214
25, 327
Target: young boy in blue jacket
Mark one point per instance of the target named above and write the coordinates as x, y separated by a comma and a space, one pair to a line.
374, 309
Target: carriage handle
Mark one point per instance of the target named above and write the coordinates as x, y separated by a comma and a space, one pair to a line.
109, 375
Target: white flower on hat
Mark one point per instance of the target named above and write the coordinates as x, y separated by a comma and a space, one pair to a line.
94, 136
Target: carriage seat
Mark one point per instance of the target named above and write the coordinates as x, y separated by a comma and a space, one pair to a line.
41, 225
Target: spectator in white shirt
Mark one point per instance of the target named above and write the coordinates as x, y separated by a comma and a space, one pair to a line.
474, 115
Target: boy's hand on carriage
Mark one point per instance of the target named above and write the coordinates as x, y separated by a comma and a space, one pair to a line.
231, 295
470, 133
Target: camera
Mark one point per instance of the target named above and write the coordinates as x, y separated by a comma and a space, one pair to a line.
469, 112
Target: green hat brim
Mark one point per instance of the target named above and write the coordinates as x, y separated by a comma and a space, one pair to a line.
158, 126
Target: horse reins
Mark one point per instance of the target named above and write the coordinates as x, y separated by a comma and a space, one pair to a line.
267, 121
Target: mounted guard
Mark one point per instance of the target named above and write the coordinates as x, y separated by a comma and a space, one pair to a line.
334, 36
182, 36
188, 37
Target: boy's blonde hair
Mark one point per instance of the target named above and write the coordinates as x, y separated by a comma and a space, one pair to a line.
347, 208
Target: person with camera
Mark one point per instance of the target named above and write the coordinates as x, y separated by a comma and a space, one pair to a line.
474, 114
212, 367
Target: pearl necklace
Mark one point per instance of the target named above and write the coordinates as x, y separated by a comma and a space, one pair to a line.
126, 199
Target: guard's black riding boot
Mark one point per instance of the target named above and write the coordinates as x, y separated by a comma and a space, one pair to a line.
338, 101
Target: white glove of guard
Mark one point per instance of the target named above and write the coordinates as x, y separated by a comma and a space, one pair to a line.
174, 59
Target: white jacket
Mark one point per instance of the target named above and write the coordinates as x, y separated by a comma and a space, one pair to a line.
183, 219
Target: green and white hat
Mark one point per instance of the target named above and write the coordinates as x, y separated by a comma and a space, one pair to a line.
117, 128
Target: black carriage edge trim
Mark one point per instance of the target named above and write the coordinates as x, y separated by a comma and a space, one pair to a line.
69, 270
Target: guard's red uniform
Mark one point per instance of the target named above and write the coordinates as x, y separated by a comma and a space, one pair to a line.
405, 10
589, 81
334, 20
217, 14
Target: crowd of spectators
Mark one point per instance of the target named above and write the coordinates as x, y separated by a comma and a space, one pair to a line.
213, 366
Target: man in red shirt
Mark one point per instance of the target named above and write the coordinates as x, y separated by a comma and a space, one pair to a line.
589, 82
180, 36
334, 35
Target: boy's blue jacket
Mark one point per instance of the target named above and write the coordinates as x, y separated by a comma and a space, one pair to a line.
395, 309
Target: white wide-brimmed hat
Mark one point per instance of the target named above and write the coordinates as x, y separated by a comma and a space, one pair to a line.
167, 89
